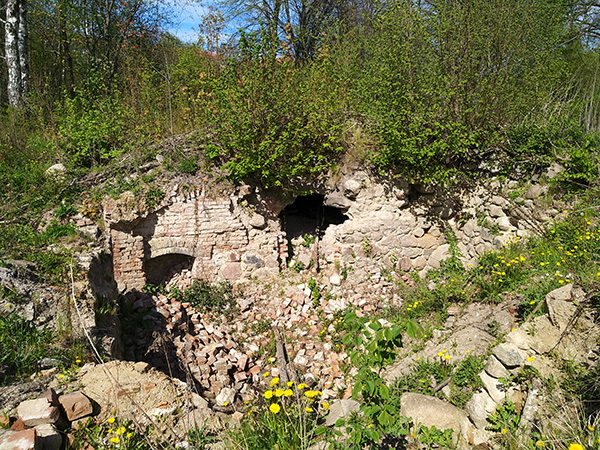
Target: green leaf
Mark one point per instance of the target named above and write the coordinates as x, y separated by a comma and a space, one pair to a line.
320, 430
340, 423
375, 325
384, 391
384, 418
411, 328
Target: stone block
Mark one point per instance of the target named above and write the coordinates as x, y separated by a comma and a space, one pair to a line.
431, 411
491, 386
37, 412
341, 409
76, 405
508, 354
495, 368
20, 440
49, 436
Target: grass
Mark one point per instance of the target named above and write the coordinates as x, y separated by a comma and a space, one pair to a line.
22, 345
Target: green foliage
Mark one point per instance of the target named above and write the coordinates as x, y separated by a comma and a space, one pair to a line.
287, 417
22, 242
315, 293
188, 165
371, 347
505, 420
276, 122
154, 195
204, 296
308, 240
93, 127
434, 437
439, 81
113, 434
22, 344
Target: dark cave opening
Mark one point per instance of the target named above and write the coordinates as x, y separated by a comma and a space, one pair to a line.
308, 215
160, 270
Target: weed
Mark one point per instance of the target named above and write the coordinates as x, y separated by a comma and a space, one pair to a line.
188, 165
315, 293
205, 297
154, 196
22, 344
308, 240
367, 246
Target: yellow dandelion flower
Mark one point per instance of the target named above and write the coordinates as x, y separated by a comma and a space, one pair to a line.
288, 392
504, 431
540, 444
440, 354
531, 359
274, 408
303, 386
279, 392
266, 374
114, 440
111, 420
225, 403
77, 360
309, 409
274, 381
290, 383
326, 405
532, 302
129, 435
110, 430
467, 351
310, 394
62, 375
575, 447
591, 428
446, 357
268, 394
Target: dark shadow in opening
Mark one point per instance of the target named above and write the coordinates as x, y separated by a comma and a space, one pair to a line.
161, 269
308, 215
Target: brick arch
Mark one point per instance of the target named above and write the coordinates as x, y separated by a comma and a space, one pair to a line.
155, 252
159, 270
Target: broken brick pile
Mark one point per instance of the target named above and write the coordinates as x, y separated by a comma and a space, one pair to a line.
234, 354
41, 422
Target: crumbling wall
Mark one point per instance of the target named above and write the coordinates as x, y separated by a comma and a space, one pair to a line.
217, 233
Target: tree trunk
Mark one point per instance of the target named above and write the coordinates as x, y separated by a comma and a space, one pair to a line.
11, 49
22, 37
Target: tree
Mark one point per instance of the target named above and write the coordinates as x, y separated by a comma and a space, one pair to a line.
16, 51
303, 23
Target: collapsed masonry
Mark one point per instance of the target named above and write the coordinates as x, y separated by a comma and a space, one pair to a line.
358, 224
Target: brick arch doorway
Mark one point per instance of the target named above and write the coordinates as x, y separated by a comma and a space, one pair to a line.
162, 269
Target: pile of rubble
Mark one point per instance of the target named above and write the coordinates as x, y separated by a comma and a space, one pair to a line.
236, 354
41, 422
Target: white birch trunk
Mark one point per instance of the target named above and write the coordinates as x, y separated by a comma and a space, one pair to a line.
22, 38
11, 49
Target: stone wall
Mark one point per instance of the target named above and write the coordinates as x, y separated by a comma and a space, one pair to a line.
397, 227
226, 241
392, 226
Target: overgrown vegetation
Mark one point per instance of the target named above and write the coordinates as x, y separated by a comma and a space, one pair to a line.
22, 345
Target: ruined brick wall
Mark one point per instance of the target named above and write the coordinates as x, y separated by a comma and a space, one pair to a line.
215, 232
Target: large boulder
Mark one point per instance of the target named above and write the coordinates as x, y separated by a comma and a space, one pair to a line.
433, 412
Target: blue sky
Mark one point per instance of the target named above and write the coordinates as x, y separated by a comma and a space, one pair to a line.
186, 17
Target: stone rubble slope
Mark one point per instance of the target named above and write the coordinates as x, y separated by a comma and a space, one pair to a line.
561, 334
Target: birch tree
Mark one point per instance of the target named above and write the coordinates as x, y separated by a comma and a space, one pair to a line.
15, 50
